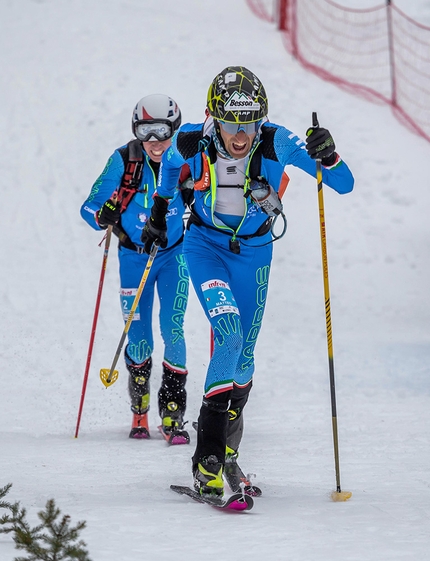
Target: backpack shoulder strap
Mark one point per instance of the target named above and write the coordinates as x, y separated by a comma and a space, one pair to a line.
133, 163
266, 149
255, 165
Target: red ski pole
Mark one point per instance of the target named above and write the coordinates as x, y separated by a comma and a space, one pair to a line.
94, 326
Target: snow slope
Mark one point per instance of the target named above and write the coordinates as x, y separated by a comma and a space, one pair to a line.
71, 74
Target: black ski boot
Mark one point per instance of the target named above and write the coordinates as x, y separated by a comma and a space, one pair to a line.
138, 389
208, 477
209, 456
172, 401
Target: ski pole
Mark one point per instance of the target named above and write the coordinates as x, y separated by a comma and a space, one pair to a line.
109, 375
337, 495
94, 326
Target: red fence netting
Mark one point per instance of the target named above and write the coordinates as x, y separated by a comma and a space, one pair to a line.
379, 53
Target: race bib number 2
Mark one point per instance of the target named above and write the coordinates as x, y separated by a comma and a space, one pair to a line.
127, 298
219, 298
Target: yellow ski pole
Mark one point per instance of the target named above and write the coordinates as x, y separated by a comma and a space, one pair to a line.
337, 495
109, 375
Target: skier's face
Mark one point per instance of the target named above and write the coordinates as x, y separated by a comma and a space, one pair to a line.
237, 145
155, 149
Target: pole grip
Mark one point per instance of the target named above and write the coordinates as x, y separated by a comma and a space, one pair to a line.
315, 123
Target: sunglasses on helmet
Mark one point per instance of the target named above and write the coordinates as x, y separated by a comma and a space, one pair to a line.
153, 130
234, 128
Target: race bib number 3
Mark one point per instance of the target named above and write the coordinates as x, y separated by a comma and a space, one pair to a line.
127, 298
219, 298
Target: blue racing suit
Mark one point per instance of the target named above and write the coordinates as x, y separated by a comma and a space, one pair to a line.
230, 266
169, 271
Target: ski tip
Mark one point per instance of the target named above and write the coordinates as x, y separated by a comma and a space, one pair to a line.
179, 439
244, 502
175, 438
139, 433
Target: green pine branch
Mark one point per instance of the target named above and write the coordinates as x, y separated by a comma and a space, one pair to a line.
52, 540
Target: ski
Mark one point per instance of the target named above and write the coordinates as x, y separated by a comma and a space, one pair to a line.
140, 429
235, 477
236, 502
175, 437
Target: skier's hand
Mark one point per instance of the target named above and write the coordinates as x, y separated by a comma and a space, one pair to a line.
109, 214
151, 234
155, 229
320, 145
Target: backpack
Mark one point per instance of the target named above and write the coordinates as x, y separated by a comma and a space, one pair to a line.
132, 156
133, 164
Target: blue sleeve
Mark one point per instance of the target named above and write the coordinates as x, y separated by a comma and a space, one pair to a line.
290, 150
170, 170
106, 184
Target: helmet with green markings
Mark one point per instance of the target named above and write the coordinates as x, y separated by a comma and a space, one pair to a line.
236, 95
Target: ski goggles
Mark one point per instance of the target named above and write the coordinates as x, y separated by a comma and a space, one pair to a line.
234, 128
153, 130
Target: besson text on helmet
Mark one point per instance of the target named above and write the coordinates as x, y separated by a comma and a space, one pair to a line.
236, 95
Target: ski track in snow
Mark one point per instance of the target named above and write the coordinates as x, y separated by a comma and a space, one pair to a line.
72, 73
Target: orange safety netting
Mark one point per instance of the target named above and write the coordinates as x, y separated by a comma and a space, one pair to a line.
379, 53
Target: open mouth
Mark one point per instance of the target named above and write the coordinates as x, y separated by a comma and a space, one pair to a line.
239, 146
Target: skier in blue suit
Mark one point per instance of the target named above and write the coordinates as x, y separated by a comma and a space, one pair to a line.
237, 159
122, 198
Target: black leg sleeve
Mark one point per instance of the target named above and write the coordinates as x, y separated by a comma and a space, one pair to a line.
212, 428
235, 416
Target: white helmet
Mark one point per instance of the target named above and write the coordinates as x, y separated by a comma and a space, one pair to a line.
155, 117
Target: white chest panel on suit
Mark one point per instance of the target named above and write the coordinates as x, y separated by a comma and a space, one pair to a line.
231, 178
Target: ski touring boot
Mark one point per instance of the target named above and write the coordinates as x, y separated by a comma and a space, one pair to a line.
208, 477
138, 389
172, 399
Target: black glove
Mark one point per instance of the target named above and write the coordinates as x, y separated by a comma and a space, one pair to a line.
109, 214
155, 229
320, 145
